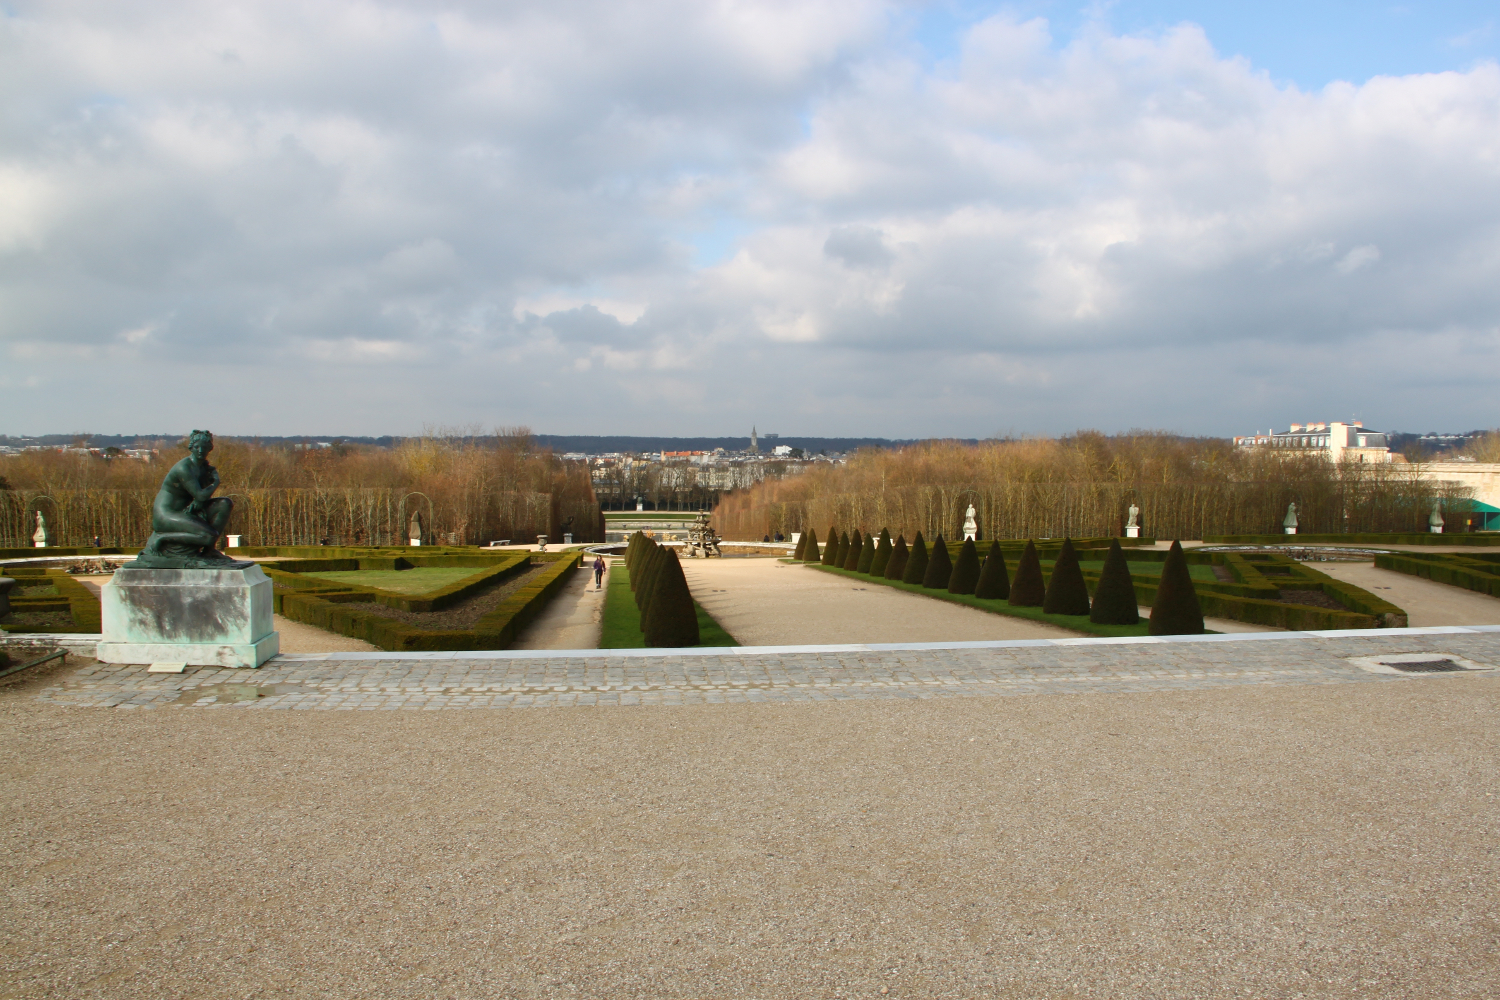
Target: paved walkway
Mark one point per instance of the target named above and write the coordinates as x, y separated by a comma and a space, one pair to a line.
1425, 602
768, 602
516, 679
574, 619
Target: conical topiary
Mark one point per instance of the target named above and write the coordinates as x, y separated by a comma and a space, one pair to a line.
916, 562
810, 552
801, 546
843, 552
966, 570
1028, 590
856, 549
638, 563
1067, 593
672, 620
1176, 611
939, 566
866, 555
1114, 597
994, 582
645, 589
882, 554
831, 550
895, 567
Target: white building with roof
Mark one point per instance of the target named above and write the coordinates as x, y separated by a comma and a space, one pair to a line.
1351, 442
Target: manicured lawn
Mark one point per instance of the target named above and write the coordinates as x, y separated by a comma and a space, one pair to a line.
1078, 623
420, 580
622, 619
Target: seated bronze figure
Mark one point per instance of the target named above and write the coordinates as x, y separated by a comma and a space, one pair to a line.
186, 518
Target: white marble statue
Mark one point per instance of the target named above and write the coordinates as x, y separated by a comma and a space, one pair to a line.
971, 526
1290, 521
39, 539
1435, 522
1133, 526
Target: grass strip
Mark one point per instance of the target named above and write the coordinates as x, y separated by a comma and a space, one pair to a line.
622, 619
1075, 623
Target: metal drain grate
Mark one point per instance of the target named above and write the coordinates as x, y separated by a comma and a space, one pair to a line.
1424, 666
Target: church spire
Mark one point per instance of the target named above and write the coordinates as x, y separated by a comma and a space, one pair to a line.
754, 439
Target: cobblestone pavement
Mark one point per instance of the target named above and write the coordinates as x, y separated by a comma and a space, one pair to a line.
386, 681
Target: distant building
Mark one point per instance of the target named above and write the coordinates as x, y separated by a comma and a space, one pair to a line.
754, 440
1341, 442
781, 450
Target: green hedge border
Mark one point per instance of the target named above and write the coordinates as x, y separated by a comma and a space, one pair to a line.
495, 630
1455, 570
1073, 623
622, 618
72, 597
289, 575
1402, 538
1250, 599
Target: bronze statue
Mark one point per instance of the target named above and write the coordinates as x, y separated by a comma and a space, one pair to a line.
186, 518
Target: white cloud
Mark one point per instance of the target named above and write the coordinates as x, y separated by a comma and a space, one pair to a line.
1117, 231
1357, 258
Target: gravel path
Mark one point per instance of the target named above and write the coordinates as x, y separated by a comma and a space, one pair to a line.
574, 619
1425, 602
766, 602
1319, 841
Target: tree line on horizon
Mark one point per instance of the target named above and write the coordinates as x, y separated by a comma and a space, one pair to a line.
1082, 486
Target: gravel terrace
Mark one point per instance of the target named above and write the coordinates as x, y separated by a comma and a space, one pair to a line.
1175, 835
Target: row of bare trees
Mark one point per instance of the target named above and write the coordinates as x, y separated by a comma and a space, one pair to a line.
1082, 486
465, 489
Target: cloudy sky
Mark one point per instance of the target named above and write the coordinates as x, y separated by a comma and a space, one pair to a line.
827, 218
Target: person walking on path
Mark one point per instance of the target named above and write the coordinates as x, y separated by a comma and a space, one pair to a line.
598, 571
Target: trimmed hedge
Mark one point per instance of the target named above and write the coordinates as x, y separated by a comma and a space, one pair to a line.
1114, 596
1067, 593
494, 631
1027, 589
939, 567
496, 570
866, 555
1454, 570
883, 550
672, 620
831, 550
994, 582
856, 550
895, 567
1465, 538
916, 562
810, 548
801, 546
965, 576
81, 603
1176, 610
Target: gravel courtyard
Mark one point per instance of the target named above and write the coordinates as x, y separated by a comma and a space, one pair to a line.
1315, 839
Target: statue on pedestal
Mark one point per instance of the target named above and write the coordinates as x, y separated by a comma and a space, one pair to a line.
1133, 524
186, 518
971, 526
182, 601
40, 538
414, 530
1289, 523
1435, 521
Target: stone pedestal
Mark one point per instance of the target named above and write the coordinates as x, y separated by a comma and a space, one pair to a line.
1291, 531
1436, 529
1133, 532
203, 617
